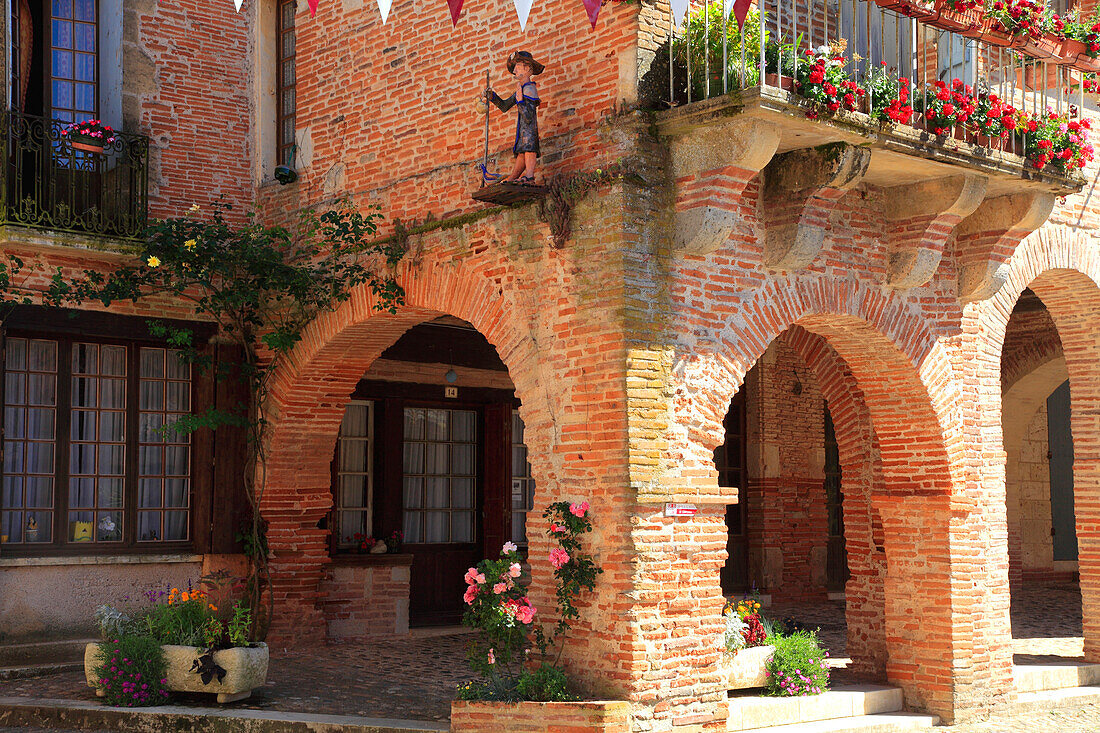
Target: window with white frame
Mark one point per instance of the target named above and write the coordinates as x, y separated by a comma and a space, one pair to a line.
354, 462
523, 485
439, 466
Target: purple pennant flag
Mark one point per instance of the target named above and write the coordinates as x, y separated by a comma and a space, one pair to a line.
456, 9
593, 9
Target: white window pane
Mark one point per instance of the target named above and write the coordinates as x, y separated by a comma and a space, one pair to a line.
42, 356
413, 461
176, 492
85, 391
113, 361
85, 359
151, 461
519, 528
413, 493
112, 426
42, 389
436, 492
15, 388
462, 493
39, 491
151, 424
110, 493
149, 526
39, 457
12, 496
437, 527
462, 460
356, 420
152, 395
175, 366
517, 428
177, 396
112, 393
15, 354
112, 460
175, 526
152, 363
81, 526
437, 425
82, 492
175, 461
40, 424
411, 527
353, 491
437, 458
38, 526
150, 491
351, 524
13, 456
353, 455
414, 423
462, 527
108, 527
464, 426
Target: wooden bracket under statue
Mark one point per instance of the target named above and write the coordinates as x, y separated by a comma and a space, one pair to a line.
509, 194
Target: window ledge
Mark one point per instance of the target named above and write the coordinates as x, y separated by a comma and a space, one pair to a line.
399, 558
20, 562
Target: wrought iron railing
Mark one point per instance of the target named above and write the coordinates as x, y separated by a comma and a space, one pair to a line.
48, 184
710, 55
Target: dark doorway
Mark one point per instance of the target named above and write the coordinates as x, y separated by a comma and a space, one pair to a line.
1063, 525
836, 569
729, 459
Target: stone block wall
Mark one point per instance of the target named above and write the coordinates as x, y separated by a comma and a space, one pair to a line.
544, 717
367, 597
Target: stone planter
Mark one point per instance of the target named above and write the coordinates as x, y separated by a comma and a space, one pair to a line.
540, 717
245, 669
747, 668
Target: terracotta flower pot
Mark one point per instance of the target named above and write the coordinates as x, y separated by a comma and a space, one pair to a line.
987, 33
1043, 48
87, 143
779, 82
909, 8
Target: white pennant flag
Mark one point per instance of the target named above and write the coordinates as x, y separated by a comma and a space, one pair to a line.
384, 9
679, 10
238, 3
523, 9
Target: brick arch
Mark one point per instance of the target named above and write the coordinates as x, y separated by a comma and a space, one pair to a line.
1062, 266
310, 393
1028, 347
908, 384
862, 476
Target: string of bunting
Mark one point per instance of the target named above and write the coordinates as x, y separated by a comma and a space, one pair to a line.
523, 9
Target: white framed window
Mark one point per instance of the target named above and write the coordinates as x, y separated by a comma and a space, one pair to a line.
440, 470
354, 469
523, 485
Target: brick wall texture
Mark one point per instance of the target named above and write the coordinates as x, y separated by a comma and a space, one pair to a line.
626, 345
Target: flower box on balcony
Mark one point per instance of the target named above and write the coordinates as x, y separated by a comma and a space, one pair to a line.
1041, 48
956, 21
1076, 54
989, 32
747, 668
86, 143
245, 669
909, 8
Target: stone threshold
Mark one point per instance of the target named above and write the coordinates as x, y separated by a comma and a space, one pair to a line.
882, 723
1056, 676
79, 714
847, 701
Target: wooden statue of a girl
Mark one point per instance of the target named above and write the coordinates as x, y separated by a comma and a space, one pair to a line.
522, 66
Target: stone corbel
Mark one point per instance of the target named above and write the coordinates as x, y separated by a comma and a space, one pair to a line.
713, 165
800, 191
989, 236
920, 220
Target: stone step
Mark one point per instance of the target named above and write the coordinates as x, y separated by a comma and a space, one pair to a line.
1067, 697
42, 652
847, 701
1060, 676
38, 670
80, 714
881, 723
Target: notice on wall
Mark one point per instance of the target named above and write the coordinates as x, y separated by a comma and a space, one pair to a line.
680, 510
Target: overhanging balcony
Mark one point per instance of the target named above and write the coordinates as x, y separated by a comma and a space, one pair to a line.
49, 185
742, 108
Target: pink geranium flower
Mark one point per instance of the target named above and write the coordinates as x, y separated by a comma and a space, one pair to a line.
499, 588
470, 595
509, 548
578, 510
558, 557
514, 570
471, 576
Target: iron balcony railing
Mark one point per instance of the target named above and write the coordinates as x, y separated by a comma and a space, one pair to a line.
47, 184
711, 55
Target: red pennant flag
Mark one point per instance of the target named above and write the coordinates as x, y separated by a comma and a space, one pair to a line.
313, 8
593, 8
741, 11
456, 9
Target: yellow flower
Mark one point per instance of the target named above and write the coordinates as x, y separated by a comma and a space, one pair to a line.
190, 244
154, 261
195, 207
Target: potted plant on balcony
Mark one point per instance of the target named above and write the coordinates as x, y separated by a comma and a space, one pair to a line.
90, 135
993, 119
1081, 47
1058, 141
944, 109
201, 649
889, 97
1029, 23
822, 79
909, 8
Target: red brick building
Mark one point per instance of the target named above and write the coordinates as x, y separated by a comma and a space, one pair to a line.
845, 343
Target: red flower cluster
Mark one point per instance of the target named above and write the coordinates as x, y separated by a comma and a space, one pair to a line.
945, 106
1019, 17
754, 630
824, 81
900, 110
1059, 140
992, 116
961, 6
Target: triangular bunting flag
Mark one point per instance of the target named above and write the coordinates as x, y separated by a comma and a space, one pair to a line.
740, 11
384, 9
523, 9
456, 9
679, 10
593, 8
238, 3
312, 8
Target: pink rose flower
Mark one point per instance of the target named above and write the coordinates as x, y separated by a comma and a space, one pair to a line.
492, 659
578, 510
509, 548
471, 576
499, 588
470, 595
558, 557
514, 570
525, 614
480, 578
557, 528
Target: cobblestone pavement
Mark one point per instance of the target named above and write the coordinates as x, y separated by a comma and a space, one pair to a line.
415, 678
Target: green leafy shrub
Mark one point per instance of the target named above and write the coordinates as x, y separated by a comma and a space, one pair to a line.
131, 672
545, 684
799, 666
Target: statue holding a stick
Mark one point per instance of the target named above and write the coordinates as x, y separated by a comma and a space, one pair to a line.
522, 66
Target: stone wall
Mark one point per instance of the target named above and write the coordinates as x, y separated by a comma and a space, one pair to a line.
367, 597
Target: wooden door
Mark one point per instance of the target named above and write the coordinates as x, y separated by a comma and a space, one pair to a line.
729, 459
441, 496
1063, 525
